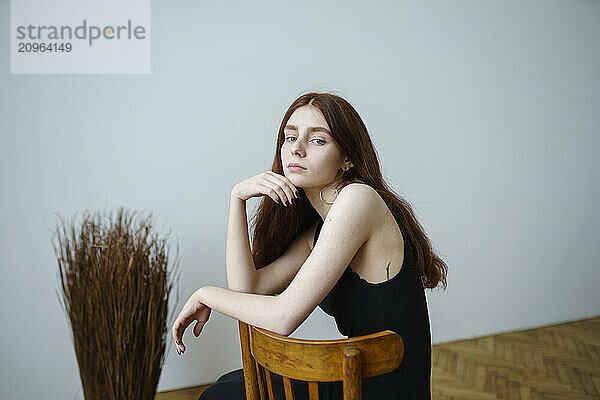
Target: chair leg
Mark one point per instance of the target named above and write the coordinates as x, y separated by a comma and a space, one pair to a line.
248, 364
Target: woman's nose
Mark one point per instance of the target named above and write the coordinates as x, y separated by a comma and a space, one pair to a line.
296, 147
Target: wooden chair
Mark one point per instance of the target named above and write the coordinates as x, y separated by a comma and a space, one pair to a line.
347, 360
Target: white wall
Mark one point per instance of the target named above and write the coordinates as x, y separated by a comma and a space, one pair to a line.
484, 114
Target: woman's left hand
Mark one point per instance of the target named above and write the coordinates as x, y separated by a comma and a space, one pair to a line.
193, 310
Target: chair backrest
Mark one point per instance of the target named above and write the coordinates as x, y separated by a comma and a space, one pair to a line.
347, 360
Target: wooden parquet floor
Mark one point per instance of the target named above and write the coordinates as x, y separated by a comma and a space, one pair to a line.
552, 362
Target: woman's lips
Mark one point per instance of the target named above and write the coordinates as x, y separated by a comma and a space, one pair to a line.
296, 168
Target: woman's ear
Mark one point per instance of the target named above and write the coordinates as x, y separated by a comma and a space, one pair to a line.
347, 165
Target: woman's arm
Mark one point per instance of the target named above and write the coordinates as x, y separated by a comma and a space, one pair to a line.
263, 311
349, 223
254, 309
241, 272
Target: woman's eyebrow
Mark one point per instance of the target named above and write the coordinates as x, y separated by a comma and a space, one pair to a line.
312, 128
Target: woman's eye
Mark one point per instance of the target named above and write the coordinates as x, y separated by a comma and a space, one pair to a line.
318, 140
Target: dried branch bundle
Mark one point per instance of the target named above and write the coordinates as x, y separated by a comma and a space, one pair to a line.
115, 290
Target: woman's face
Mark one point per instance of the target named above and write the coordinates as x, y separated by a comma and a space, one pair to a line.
309, 144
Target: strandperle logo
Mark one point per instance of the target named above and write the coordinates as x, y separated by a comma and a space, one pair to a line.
82, 32
80, 36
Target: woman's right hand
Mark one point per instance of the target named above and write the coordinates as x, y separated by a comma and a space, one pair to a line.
268, 183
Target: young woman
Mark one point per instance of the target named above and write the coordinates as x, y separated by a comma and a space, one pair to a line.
328, 233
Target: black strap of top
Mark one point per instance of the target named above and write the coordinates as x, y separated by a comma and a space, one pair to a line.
318, 230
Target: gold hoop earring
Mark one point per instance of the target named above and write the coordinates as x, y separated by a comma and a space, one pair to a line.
321, 194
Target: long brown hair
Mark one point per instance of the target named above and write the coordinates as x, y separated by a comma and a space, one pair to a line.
275, 227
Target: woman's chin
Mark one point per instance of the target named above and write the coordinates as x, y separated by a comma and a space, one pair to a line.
295, 179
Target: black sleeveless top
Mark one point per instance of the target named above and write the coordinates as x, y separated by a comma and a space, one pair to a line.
399, 304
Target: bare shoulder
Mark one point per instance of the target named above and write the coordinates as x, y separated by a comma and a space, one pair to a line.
354, 198
360, 203
360, 189
361, 197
